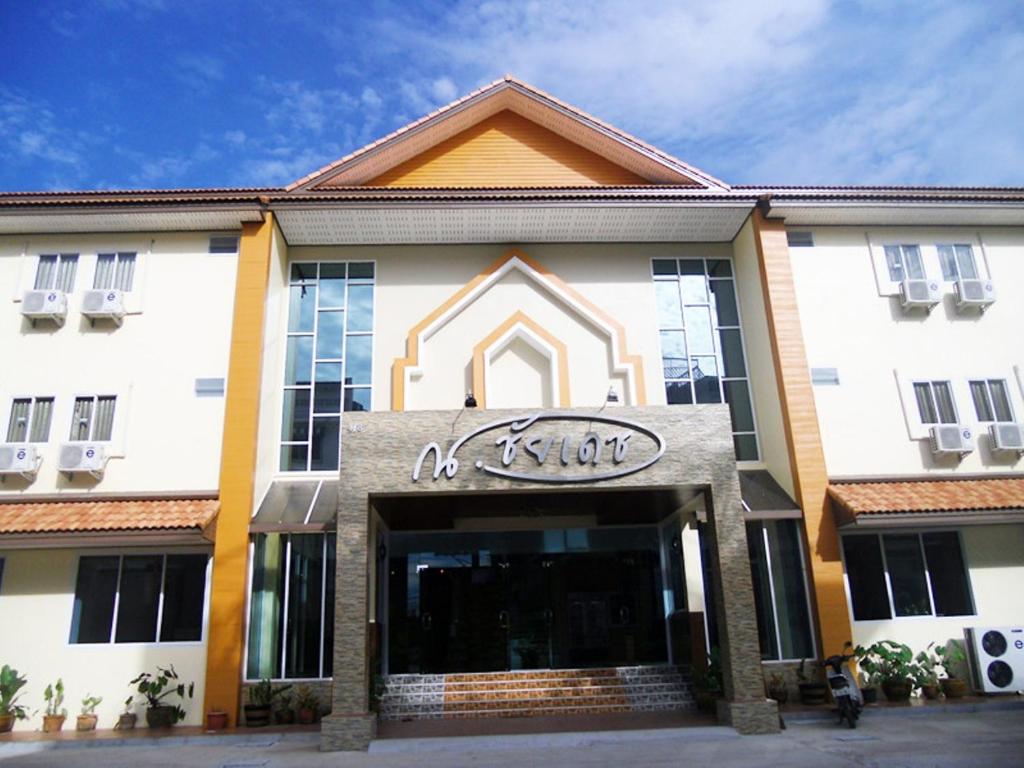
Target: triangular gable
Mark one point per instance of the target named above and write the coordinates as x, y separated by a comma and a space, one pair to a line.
620, 158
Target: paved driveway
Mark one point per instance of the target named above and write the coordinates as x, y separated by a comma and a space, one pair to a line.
970, 739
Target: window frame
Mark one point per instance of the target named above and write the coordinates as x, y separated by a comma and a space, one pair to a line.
990, 401
92, 418
902, 249
121, 553
61, 257
958, 272
118, 254
914, 383
31, 413
919, 532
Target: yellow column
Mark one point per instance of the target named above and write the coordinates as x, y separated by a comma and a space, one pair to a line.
806, 456
237, 465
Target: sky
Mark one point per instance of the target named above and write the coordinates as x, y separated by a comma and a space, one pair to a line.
152, 94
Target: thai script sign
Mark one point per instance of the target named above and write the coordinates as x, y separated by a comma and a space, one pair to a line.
533, 449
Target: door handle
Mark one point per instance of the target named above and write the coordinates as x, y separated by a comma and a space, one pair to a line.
503, 619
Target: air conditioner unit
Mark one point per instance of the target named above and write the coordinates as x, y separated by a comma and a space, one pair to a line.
920, 293
997, 658
19, 459
45, 305
1006, 437
951, 439
105, 304
974, 293
88, 458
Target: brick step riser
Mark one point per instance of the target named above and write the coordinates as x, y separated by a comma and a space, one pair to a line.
679, 697
570, 682
539, 711
571, 692
538, 673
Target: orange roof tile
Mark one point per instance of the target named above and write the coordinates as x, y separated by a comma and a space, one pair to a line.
929, 496
106, 515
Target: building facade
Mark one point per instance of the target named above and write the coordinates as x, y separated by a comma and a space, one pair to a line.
507, 391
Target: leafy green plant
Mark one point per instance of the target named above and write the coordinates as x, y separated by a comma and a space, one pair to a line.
806, 676
305, 698
951, 658
10, 683
927, 660
156, 687
54, 696
710, 678
889, 661
263, 693
128, 705
89, 704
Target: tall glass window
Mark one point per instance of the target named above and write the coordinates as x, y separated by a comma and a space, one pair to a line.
702, 353
291, 609
780, 590
327, 359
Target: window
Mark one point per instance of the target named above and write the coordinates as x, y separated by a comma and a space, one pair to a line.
935, 402
93, 418
907, 574
139, 599
957, 262
57, 271
991, 400
1, 574
30, 420
904, 261
702, 353
327, 360
799, 239
114, 270
291, 609
224, 244
780, 590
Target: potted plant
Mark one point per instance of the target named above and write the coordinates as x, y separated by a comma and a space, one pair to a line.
707, 683
87, 717
10, 683
284, 714
126, 720
868, 673
925, 676
53, 720
216, 720
261, 699
307, 705
812, 692
952, 658
776, 687
155, 688
895, 666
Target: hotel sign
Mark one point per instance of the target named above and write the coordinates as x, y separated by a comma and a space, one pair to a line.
551, 447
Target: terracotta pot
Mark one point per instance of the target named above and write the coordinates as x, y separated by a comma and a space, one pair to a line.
216, 720
307, 716
6, 723
953, 687
163, 716
53, 723
813, 694
897, 690
86, 723
284, 716
870, 695
126, 721
257, 715
930, 692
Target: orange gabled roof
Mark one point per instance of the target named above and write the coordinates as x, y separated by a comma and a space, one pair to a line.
928, 496
509, 93
106, 516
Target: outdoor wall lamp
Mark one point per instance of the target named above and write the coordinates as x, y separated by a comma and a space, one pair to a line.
470, 400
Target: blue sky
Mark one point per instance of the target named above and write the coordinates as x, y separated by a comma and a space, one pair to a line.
182, 93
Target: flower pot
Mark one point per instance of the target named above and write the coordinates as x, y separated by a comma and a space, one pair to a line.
930, 692
781, 695
307, 716
813, 694
257, 715
86, 723
284, 716
897, 690
125, 721
216, 720
6, 723
953, 687
163, 716
870, 695
53, 723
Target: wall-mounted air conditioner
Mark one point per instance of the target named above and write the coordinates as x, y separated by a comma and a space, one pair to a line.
951, 439
920, 294
974, 293
45, 305
997, 658
83, 458
1006, 437
19, 459
105, 304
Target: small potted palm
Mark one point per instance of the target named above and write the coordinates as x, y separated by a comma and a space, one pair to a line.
896, 667
707, 683
126, 720
261, 701
307, 705
952, 659
87, 717
776, 687
284, 714
868, 670
925, 676
10, 685
53, 720
155, 688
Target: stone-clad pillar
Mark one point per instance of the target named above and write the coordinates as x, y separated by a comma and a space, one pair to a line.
744, 706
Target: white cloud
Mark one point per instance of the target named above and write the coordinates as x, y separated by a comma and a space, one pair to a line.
443, 90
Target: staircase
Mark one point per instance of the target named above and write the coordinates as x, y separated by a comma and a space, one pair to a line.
528, 693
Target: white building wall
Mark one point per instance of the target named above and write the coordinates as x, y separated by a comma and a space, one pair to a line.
166, 438
37, 597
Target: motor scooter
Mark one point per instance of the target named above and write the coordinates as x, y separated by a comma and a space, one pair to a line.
844, 687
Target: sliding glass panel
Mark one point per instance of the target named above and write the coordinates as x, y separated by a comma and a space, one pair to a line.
125, 274
104, 277
982, 405
947, 259
791, 608
894, 262
1000, 400
866, 575
965, 261
912, 262
329, 607
925, 403
95, 591
762, 592
103, 427
138, 598
906, 574
944, 402
42, 413
184, 595
948, 574
265, 607
46, 272
81, 418
17, 427
305, 595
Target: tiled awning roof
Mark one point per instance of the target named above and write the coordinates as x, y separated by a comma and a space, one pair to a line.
106, 516
981, 501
